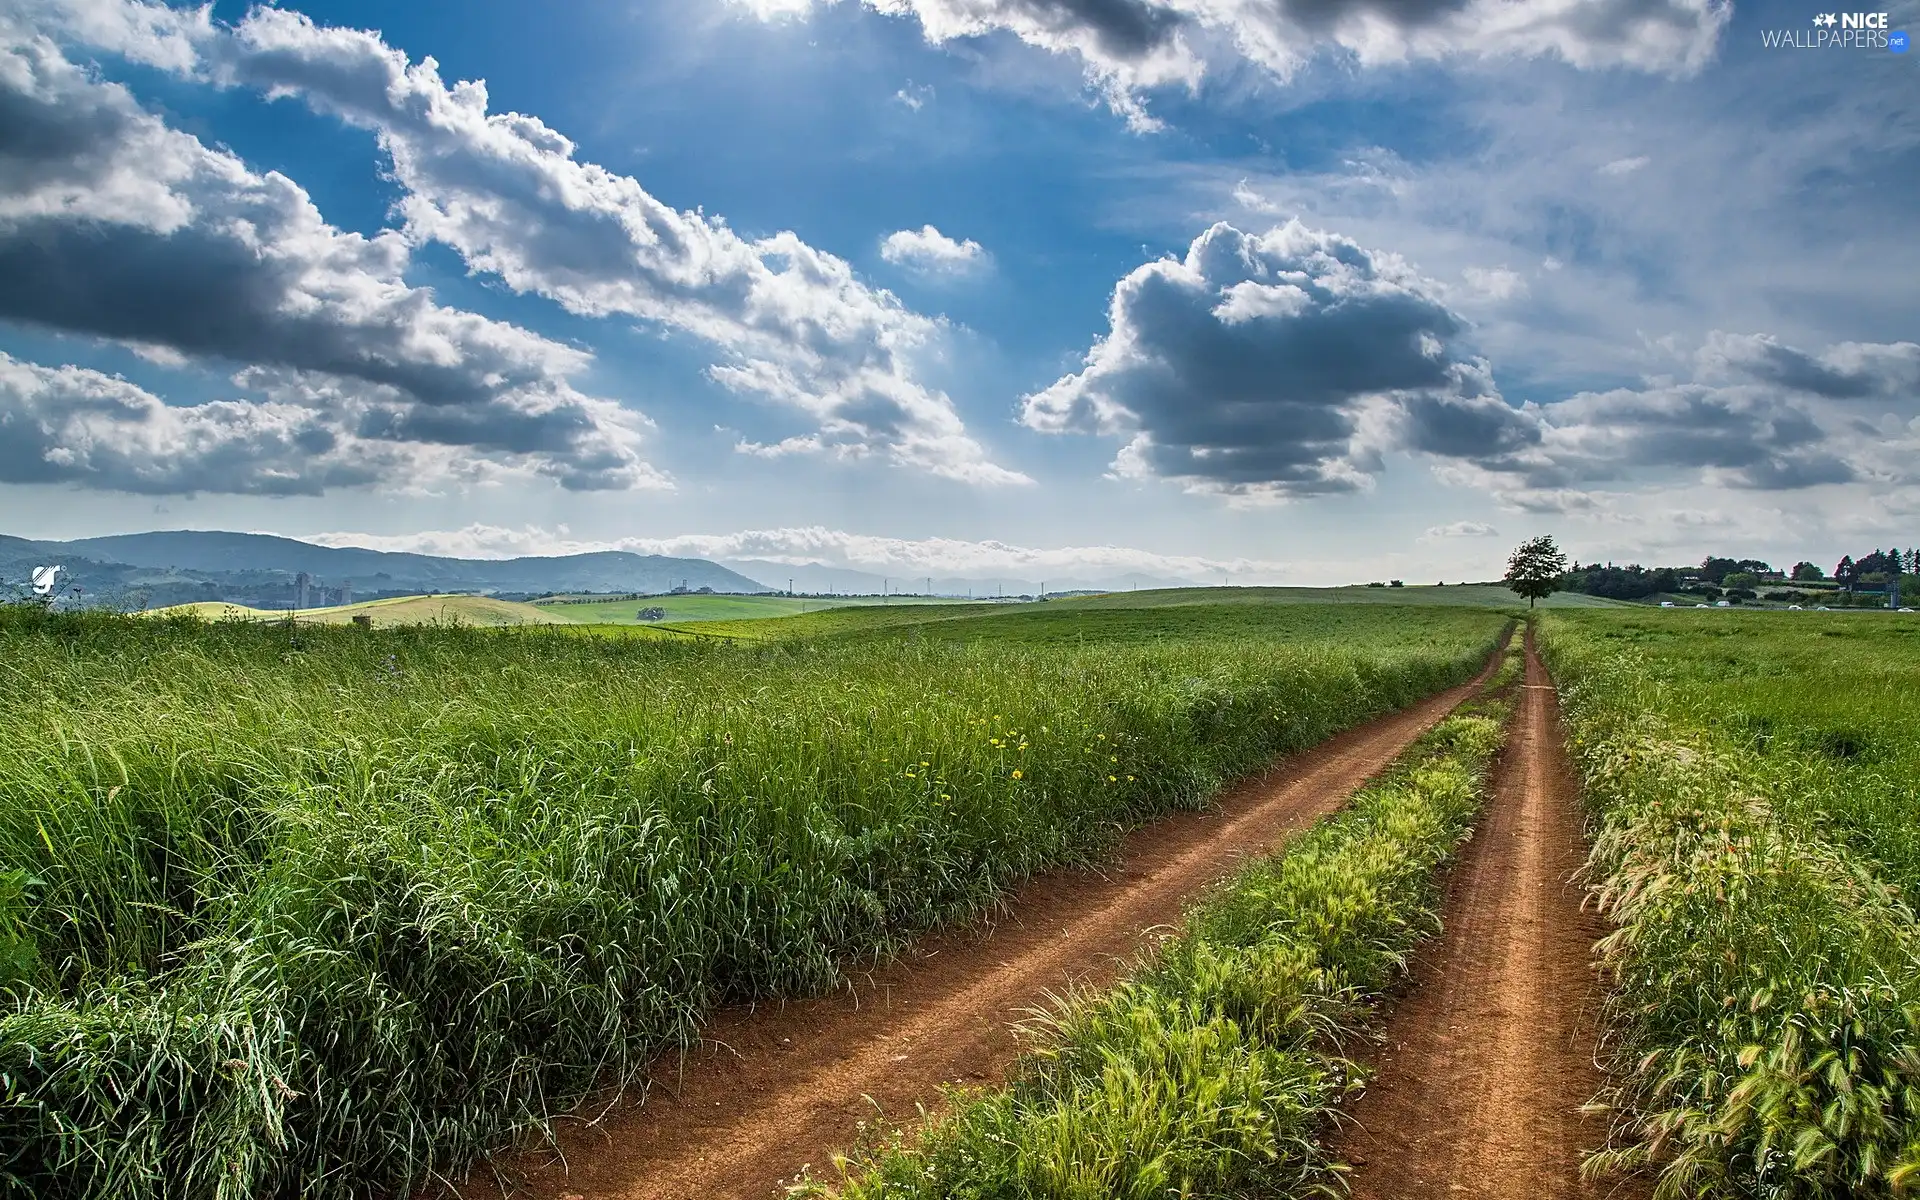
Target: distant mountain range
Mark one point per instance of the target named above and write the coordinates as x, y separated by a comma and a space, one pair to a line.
139, 570
152, 570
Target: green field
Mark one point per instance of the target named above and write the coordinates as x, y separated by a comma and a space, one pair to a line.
488, 612
739, 616
1465, 594
694, 608
1754, 781
1067, 619
482, 611
317, 911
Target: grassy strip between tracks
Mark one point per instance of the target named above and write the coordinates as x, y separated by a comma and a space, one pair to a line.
1766, 1008
1212, 1070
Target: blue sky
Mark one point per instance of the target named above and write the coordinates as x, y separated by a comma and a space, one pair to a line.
1265, 290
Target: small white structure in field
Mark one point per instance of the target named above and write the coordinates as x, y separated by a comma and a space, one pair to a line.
43, 580
1666, 604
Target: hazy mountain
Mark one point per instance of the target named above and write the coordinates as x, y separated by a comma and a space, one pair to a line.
154, 569
260, 569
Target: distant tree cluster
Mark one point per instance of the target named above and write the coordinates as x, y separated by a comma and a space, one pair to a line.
1715, 570
1633, 582
1877, 569
1716, 578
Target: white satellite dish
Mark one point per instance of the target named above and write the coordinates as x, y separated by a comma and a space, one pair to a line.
43, 578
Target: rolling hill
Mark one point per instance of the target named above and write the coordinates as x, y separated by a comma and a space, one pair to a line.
400, 610
153, 570
217, 552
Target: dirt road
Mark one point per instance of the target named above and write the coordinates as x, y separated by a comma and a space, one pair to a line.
769, 1091
1490, 1053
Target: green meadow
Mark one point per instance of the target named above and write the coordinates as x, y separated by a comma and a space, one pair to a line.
696, 608
319, 911
1753, 781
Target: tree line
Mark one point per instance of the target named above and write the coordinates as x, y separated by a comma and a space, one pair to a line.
1538, 569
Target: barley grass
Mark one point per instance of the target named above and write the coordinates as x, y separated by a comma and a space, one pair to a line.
325, 912
1753, 804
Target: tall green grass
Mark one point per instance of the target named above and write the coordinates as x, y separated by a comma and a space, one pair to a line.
1753, 855
1212, 1070
318, 912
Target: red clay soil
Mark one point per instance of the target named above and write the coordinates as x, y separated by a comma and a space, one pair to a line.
1490, 1054
767, 1092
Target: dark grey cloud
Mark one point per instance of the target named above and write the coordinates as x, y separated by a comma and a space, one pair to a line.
1120, 28
1480, 427
1127, 45
1764, 360
1748, 437
116, 226
1289, 363
1760, 416
1325, 16
561, 435
1282, 364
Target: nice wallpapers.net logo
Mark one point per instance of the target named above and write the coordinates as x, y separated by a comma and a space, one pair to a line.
1839, 31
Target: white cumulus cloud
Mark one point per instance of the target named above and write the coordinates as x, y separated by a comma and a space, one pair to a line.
928, 250
1459, 529
1495, 283
508, 193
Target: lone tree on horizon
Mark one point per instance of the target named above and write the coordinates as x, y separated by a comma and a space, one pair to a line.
1535, 569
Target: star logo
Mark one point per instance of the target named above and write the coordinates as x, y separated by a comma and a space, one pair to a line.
1827, 19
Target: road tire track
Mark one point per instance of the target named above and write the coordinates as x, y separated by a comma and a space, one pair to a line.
1492, 1051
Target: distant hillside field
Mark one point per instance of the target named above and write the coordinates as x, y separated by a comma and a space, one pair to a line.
1473, 594
767, 617
400, 610
1106, 615
718, 608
